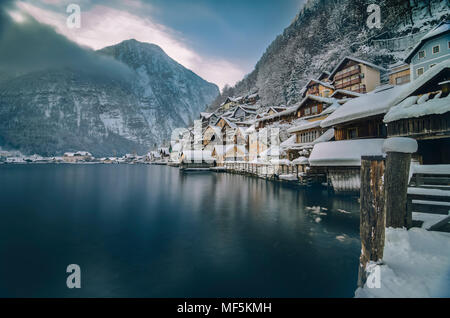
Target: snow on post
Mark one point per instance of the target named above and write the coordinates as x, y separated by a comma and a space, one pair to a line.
400, 144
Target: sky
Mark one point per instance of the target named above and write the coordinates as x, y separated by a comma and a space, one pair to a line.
220, 40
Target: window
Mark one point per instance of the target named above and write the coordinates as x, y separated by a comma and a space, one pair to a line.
402, 80
307, 111
326, 93
353, 133
314, 109
449, 44
420, 71
432, 65
436, 49
362, 75
421, 54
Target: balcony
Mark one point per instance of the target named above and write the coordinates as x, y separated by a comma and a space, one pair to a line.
347, 84
347, 74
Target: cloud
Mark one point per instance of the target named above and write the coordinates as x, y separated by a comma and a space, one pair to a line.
102, 26
27, 46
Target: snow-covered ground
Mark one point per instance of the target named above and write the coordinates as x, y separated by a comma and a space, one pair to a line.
416, 263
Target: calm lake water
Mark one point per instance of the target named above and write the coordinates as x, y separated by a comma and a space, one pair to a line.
151, 231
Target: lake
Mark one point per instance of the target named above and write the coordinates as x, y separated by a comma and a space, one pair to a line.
152, 231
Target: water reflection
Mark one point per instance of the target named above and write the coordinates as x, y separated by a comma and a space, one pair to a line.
151, 231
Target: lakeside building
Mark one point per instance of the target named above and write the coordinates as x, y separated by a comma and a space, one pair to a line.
432, 49
400, 74
318, 88
422, 111
358, 131
310, 105
208, 119
356, 75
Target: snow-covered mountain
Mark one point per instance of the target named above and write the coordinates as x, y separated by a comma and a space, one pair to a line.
61, 109
322, 34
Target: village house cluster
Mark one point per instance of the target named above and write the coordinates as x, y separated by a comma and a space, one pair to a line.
345, 113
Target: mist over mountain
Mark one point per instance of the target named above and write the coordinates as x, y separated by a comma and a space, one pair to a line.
324, 32
56, 96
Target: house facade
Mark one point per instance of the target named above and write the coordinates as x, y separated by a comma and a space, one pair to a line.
356, 75
432, 49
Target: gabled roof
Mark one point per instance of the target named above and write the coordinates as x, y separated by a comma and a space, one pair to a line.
207, 115
324, 74
374, 103
216, 130
244, 109
349, 58
227, 120
328, 85
346, 92
290, 110
440, 29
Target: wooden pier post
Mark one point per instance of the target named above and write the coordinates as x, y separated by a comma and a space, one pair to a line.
372, 219
396, 180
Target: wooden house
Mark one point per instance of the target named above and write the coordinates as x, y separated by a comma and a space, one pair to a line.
343, 94
356, 75
231, 102
208, 119
243, 113
362, 117
318, 88
252, 99
358, 131
212, 135
399, 74
309, 106
422, 112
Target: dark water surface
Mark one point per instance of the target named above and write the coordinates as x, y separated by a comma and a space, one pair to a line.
150, 231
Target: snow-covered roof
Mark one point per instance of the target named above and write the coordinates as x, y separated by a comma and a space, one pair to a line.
412, 87
292, 109
328, 85
345, 152
255, 95
247, 110
300, 161
291, 141
216, 129
206, 115
346, 92
227, 120
441, 28
349, 58
374, 103
305, 126
412, 107
326, 136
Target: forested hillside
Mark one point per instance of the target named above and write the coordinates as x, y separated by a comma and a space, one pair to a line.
323, 33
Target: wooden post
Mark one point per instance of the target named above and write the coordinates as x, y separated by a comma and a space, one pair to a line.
398, 161
372, 219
